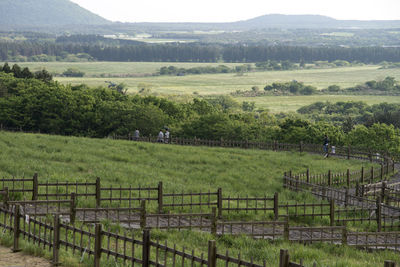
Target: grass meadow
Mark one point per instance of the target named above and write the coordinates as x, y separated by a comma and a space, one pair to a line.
237, 171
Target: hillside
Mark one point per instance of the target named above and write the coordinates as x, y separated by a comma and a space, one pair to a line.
237, 171
46, 13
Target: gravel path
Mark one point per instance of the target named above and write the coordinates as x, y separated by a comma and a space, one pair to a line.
10, 259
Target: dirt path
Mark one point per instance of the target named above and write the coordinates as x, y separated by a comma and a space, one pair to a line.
9, 259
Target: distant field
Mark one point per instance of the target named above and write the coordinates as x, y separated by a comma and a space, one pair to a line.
210, 83
277, 104
114, 68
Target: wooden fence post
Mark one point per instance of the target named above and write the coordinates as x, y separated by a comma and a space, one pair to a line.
212, 253
358, 189
387, 165
301, 146
308, 175
332, 212
143, 214
214, 221
286, 229
5, 197
389, 264
381, 171
329, 178
383, 188
35, 187
98, 192
276, 205
17, 217
284, 258
344, 235
379, 213
371, 180
362, 175
98, 236
56, 240
348, 152
219, 202
72, 208
348, 177
275, 145
160, 197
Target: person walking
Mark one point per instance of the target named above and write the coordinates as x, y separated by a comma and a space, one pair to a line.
160, 138
136, 135
166, 136
326, 146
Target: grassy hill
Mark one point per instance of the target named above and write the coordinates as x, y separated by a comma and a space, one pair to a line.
46, 13
237, 171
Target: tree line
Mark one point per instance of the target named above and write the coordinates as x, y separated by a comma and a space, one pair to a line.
199, 52
32, 104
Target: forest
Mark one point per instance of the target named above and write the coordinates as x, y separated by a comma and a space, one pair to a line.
193, 52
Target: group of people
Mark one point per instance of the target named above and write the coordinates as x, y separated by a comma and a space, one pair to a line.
163, 137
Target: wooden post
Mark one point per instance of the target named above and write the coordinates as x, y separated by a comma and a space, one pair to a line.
17, 217
344, 235
332, 212
212, 253
372, 175
301, 146
275, 145
35, 187
286, 229
98, 192
362, 175
219, 202
379, 213
284, 258
160, 197
357, 189
348, 177
387, 165
143, 214
214, 221
98, 235
308, 175
381, 171
72, 214
276, 206
5, 197
222, 142
56, 240
329, 178
383, 188
389, 264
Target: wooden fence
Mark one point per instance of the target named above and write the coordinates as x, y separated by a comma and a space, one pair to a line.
98, 244
348, 178
347, 152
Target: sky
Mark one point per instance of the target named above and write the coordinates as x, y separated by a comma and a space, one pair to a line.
234, 10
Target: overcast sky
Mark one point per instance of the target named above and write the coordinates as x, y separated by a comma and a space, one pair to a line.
234, 10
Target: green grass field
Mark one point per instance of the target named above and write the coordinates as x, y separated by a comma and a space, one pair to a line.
276, 104
237, 171
207, 84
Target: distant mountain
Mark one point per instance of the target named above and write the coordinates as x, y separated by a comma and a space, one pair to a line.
48, 13
287, 21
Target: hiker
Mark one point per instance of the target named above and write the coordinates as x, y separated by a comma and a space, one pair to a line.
160, 138
136, 135
326, 145
166, 135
